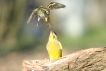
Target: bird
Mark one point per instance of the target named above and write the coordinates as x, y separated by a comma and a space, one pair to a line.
44, 12
54, 47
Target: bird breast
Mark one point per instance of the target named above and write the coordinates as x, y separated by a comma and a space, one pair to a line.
42, 15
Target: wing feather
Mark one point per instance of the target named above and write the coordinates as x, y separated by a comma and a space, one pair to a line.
55, 5
32, 16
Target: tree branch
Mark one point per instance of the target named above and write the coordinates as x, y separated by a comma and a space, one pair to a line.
93, 59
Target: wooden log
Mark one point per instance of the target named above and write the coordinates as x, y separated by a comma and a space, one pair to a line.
93, 59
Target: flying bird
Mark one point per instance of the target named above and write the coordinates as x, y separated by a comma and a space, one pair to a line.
44, 12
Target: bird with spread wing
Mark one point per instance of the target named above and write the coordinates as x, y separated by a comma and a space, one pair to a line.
44, 12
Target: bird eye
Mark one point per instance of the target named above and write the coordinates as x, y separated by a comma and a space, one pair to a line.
47, 12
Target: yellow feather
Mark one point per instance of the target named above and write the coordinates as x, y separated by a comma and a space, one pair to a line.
54, 47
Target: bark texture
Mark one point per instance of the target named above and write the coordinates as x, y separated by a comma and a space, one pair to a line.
93, 59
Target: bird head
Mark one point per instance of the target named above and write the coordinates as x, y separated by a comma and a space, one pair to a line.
52, 35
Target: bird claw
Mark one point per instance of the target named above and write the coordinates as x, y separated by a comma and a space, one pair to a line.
49, 26
38, 21
37, 24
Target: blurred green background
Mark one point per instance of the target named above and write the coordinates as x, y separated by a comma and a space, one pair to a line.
81, 25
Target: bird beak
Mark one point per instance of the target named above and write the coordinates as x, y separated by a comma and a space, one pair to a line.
51, 31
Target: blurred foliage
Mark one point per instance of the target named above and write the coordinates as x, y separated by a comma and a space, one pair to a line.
15, 37
10, 21
19, 41
93, 37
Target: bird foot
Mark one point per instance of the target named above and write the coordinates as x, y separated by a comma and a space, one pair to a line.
49, 26
37, 24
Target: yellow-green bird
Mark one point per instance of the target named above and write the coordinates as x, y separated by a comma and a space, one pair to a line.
54, 47
44, 12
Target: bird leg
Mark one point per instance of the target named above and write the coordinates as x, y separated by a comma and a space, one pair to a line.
38, 21
49, 26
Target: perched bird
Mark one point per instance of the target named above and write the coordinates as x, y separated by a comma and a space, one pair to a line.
44, 12
54, 47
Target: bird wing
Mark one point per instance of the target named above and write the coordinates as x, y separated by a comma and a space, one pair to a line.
55, 5
60, 45
60, 49
32, 16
